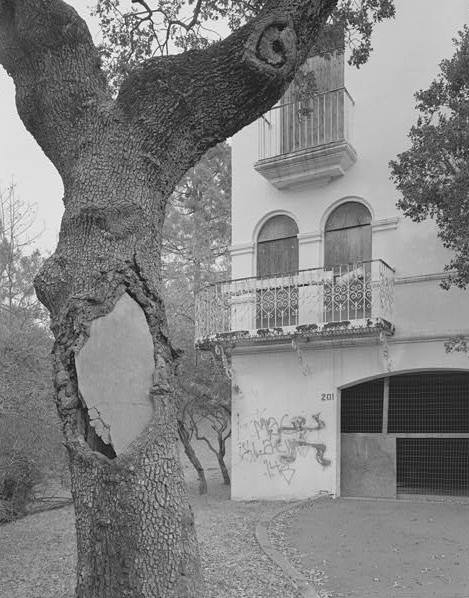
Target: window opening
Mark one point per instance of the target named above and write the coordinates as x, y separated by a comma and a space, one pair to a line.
433, 466
362, 408
277, 266
429, 403
347, 261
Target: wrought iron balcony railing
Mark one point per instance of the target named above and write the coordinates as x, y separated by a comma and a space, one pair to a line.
325, 118
319, 296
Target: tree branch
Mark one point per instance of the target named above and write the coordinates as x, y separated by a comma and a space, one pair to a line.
189, 102
47, 49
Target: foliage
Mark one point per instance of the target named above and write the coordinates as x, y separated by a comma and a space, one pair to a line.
206, 406
433, 175
18, 474
196, 239
198, 221
457, 344
30, 441
142, 29
30, 436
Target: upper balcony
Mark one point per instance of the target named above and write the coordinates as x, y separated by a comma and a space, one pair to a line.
310, 143
341, 301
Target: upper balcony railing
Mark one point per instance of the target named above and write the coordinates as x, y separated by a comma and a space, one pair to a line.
295, 126
360, 292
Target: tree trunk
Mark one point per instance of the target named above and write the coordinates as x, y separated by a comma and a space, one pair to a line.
221, 458
191, 455
224, 471
119, 160
135, 529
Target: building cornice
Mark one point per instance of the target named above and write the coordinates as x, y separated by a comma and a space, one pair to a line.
312, 237
428, 337
416, 278
344, 343
242, 248
385, 224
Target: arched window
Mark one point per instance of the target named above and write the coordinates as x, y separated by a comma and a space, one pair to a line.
277, 247
347, 256
277, 260
348, 235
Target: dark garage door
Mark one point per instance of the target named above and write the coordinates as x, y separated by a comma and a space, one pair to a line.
406, 434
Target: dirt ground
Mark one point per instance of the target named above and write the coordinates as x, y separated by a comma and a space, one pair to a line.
38, 555
349, 548
379, 549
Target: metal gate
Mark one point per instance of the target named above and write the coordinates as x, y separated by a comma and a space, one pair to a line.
406, 434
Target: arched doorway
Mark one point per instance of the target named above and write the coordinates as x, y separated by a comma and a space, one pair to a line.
406, 434
277, 265
347, 257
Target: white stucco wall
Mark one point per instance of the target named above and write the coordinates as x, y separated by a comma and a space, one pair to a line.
405, 58
273, 387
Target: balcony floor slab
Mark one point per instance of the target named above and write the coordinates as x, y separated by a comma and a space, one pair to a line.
307, 333
316, 165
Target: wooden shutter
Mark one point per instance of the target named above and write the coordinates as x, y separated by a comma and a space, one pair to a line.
323, 121
348, 235
277, 247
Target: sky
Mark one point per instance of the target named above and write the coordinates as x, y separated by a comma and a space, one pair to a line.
39, 184
21, 159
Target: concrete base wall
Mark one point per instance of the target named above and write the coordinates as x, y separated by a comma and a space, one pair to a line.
286, 409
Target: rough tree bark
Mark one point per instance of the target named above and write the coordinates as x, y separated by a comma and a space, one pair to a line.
119, 161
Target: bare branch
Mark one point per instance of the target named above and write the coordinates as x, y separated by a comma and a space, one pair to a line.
208, 95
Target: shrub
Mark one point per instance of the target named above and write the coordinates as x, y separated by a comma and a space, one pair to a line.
18, 475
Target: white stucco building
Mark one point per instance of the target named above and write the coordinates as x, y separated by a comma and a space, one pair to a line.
335, 320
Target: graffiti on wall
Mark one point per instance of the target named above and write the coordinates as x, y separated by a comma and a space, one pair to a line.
277, 443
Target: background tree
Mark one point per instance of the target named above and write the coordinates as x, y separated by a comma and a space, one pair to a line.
197, 230
196, 239
18, 264
433, 174
208, 414
121, 151
30, 437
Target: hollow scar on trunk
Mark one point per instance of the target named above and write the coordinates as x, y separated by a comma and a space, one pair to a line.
114, 370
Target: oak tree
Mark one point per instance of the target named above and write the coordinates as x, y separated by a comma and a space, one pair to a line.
120, 151
433, 174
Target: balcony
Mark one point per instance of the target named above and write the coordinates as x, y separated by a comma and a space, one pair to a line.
301, 144
319, 303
